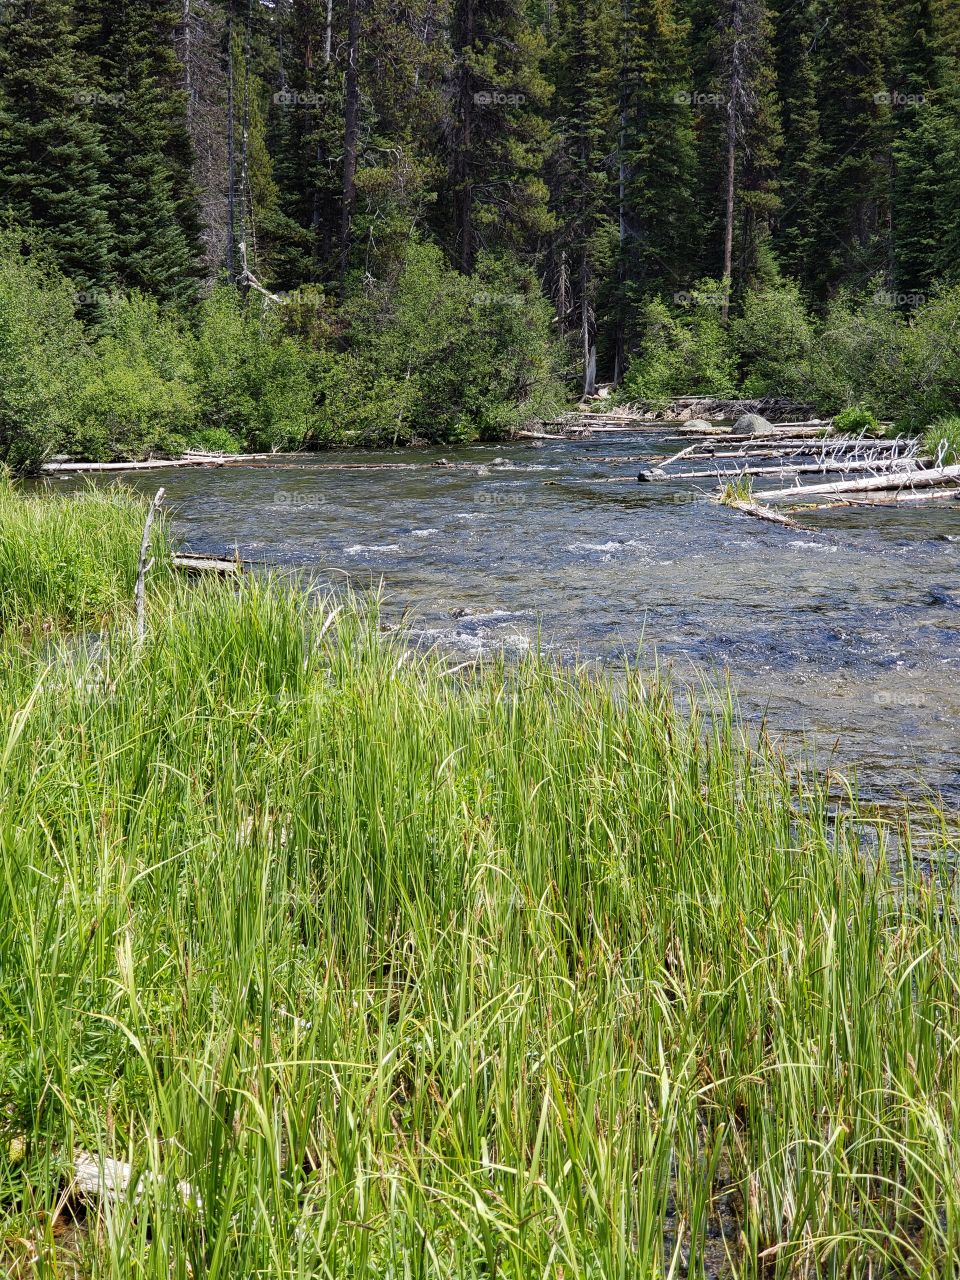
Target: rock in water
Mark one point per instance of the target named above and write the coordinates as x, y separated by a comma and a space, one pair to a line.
699, 424
752, 424
652, 473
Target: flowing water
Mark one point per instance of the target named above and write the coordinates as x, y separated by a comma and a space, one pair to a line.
848, 630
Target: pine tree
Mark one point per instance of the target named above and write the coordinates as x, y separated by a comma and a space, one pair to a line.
926, 150
51, 155
582, 173
305, 132
498, 135
850, 240
658, 176
152, 204
795, 29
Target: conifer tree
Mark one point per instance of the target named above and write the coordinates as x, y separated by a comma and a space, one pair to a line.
52, 159
498, 134
142, 106
850, 241
796, 26
582, 171
658, 183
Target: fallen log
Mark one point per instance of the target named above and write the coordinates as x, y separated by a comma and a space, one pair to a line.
882, 500
760, 512
107, 1181
190, 563
902, 465
895, 480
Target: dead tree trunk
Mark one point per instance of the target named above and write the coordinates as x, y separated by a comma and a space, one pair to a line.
351, 134
462, 186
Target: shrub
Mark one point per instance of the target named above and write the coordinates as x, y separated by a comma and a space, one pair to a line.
774, 338
216, 440
441, 356
683, 350
43, 353
941, 442
251, 378
855, 420
137, 398
903, 368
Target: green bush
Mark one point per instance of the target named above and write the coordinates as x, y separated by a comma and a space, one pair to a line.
216, 440
855, 420
436, 355
906, 369
43, 354
774, 339
137, 398
942, 441
251, 378
684, 350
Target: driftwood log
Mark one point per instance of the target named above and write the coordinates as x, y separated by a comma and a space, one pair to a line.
895, 480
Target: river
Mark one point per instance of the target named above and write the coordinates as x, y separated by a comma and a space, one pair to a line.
848, 631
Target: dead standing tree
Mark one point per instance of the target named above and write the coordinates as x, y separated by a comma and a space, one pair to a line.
740, 51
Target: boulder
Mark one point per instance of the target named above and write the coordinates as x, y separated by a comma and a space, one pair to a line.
752, 424
698, 424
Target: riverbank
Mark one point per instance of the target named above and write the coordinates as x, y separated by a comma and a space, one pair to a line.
352, 954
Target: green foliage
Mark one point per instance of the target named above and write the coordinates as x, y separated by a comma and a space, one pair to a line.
855, 420
437, 355
43, 353
52, 159
70, 559
774, 338
904, 368
216, 440
941, 442
252, 379
683, 350
137, 397
319, 937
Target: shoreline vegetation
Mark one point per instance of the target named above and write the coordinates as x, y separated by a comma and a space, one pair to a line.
433, 357
366, 965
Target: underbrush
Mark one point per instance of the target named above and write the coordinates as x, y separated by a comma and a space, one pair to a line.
369, 967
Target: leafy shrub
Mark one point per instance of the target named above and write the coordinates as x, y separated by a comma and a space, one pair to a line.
774, 338
441, 356
855, 420
43, 352
251, 378
137, 397
942, 441
683, 350
903, 368
216, 440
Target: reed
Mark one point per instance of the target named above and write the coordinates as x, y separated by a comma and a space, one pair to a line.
69, 560
522, 972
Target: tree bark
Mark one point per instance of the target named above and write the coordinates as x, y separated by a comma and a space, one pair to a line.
589, 336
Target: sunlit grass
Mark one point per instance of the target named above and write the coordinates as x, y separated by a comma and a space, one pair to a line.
68, 559
409, 973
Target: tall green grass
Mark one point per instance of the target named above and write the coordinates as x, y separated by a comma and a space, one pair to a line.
69, 559
409, 974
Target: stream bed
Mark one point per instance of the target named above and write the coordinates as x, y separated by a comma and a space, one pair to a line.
847, 630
